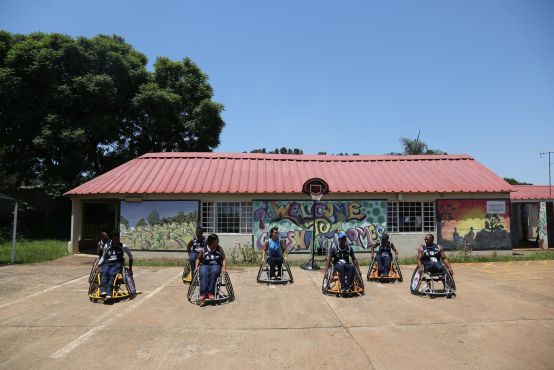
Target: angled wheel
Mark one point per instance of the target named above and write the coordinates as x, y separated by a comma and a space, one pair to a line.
397, 265
358, 281
263, 269
450, 283
93, 270
415, 282
129, 283
228, 286
187, 273
328, 281
286, 265
370, 270
193, 292
93, 285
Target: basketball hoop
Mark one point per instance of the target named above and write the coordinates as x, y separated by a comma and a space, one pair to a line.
316, 188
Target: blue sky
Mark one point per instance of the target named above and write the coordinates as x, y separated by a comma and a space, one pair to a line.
476, 76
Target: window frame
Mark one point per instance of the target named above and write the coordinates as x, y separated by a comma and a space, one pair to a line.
211, 221
427, 212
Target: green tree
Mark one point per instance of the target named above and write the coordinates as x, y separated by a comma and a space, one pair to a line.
140, 223
153, 217
73, 108
124, 221
416, 147
513, 181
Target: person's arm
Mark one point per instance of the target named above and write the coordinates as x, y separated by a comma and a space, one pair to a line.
394, 249
223, 260
354, 259
445, 260
373, 246
198, 259
264, 250
283, 248
127, 250
103, 258
328, 263
189, 246
419, 258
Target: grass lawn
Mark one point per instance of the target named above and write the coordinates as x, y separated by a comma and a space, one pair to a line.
33, 251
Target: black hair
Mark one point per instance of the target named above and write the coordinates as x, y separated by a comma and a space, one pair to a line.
274, 228
114, 233
385, 235
199, 228
431, 235
211, 238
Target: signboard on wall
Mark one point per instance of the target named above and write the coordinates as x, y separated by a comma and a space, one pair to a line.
479, 224
363, 221
158, 225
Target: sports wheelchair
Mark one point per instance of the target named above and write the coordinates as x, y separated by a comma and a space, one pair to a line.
264, 278
123, 287
395, 274
424, 284
331, 283
187, 273
223, 290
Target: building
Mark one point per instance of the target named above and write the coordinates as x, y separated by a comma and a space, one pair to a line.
532, 212
156, 200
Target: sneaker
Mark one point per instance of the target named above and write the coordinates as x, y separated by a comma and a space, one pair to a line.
202, 297
108, 296
211, 296
102, 294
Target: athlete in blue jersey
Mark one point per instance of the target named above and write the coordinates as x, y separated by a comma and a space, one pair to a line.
341, 257
211, 261
275, 251
384, 254
195, 246
429, 256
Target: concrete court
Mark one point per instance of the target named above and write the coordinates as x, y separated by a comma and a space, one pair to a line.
502, 318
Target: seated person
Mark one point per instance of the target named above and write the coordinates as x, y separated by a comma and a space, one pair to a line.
341, 260
211, 260
429, 257
104, 241
111, 263
195, 246
275, 251
384, 254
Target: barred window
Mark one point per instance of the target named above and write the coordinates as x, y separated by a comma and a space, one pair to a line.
227, 217
405, 217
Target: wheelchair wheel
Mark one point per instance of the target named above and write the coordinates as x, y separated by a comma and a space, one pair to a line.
228, 286
371, 266
93, 286
93, 270
415, 283
129, 283
397, 266
449, 282
263, 268
358, 281
327, 281
193, 292
286, 265
187, 272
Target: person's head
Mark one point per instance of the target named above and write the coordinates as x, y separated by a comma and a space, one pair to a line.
342, 238
114, 235
429, 239
274, 233
385, 237
104, 235
213, 240
199, 231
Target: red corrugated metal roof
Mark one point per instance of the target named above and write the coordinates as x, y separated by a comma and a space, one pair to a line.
532, 192
171, 173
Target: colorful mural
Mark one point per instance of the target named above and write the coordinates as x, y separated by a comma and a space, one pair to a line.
363, 221
475, 223
158, 225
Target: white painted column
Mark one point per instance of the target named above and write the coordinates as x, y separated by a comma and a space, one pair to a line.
76, 225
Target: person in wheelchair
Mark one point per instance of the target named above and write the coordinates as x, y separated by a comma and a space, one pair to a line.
429, 256
340, 256
195, 246
210, 262
274, 250
103, 243
111, 263
384, 254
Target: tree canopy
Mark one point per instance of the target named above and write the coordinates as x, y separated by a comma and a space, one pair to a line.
416, 147
73, 108
513, 181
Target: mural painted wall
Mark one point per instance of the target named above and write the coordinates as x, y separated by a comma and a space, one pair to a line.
158, 225
477, 223
363, 221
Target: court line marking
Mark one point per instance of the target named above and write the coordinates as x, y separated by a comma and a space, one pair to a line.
43, 291
83, 338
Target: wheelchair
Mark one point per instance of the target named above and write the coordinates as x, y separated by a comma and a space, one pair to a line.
187, 273
395, 274
264, 278
123, 287
93, 270
331, 283
424, 284
223, 290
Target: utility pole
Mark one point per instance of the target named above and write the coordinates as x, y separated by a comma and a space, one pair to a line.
549, 172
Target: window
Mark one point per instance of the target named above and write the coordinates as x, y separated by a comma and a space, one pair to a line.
405, 217
227, 217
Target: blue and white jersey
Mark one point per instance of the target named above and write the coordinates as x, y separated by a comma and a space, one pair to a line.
430, 254
214, 257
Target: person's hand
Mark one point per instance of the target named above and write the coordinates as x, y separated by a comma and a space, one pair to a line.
131, 271
372, 254
225, 269
420, 270
451, 272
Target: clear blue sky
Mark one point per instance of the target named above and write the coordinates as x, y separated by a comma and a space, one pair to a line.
476, 76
